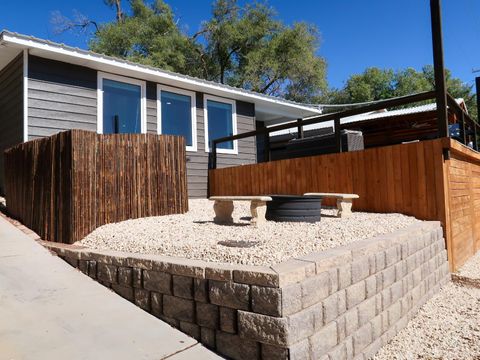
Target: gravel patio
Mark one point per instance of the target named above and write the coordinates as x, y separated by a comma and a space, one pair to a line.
194, 235
446, 327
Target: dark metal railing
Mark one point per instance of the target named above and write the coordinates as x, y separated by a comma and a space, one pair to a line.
469, 127
335, 116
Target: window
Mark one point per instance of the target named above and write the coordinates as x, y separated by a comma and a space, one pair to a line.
220, 121
176, 114
121, 105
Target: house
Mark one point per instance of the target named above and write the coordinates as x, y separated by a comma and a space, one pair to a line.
47, 87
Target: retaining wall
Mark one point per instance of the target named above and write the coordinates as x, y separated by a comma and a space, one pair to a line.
343, 303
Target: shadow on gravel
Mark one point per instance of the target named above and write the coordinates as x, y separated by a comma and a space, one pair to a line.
465, 281
239, 243
229, 224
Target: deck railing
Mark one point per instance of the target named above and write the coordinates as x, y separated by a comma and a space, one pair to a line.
469, 127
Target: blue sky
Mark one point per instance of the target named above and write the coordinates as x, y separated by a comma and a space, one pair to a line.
355, 34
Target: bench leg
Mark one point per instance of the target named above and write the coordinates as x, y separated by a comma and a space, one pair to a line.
344, 207
223, 212
258, 209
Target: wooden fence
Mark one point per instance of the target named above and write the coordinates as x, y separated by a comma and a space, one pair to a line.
414, 179
66, 185
462, 175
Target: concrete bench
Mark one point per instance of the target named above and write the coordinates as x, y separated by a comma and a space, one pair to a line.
344, 201
223, 208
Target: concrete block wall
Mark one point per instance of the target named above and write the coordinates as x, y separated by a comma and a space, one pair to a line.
343, 303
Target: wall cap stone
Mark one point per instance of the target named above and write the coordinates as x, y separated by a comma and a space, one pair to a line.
287, 272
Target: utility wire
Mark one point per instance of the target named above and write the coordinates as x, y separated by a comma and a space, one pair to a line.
321, 106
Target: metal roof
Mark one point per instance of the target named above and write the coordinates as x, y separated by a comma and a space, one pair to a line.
374, 115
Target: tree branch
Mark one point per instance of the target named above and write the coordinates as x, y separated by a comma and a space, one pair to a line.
62, 23
270, 83
198, 33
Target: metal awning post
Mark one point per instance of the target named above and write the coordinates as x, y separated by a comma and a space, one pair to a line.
213, 156
338, 135
463, 133
439, 67
299, 129
266, 147
475, 136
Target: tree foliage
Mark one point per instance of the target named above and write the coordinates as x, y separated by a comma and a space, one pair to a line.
244, 46
149, 35
249, 48
377, 84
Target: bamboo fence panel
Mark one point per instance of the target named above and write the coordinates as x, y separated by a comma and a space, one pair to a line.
66, 185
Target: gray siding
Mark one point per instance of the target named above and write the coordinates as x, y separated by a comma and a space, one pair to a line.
197, 162
60, 97
63, 96
11, 110
151, 108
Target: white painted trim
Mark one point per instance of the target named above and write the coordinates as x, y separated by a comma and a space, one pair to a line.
234, 120
124, 79
25, 95
99, 104
67, 53
193, 112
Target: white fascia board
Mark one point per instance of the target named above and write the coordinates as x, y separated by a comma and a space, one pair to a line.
25, 95
169, 78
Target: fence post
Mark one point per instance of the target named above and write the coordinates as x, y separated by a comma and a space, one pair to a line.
212, 162
338, 135
266, 147
438, 64
299, 129
463, 133
475, 136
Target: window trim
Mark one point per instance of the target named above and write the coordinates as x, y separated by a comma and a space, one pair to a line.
143, 99
206, 97
193, 112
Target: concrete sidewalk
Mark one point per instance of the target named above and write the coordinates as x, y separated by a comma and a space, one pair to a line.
48, 310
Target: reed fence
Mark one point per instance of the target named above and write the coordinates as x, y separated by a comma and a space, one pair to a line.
64, 186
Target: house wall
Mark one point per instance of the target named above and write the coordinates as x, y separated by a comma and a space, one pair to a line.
60, 97
64, 96
197, 162
11, 109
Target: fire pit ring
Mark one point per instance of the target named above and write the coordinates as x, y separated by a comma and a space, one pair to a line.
294, 208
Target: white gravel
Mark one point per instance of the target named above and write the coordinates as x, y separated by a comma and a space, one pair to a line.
446, 327
471, 269
194, 235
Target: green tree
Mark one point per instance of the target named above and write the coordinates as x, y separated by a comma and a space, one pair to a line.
149, 35
377, 84
249, 48
455, 87
372, 84
245, 46
410, 81
287, 66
